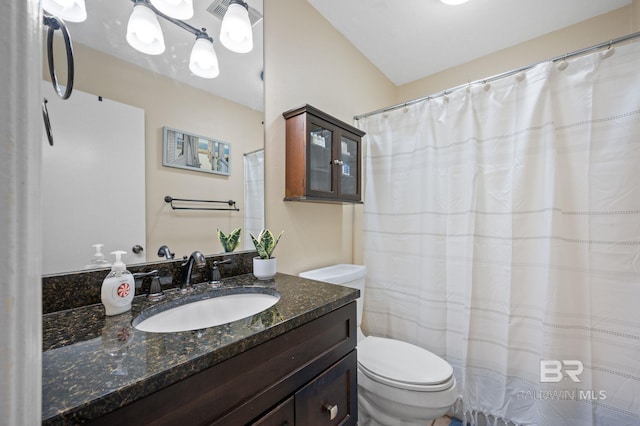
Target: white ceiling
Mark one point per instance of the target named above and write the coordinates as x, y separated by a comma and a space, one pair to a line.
406, 39
411, 39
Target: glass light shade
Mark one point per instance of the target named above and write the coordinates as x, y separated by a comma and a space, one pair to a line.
178, 9
453, 2
143, 31
204, 61
68, 10
235, 33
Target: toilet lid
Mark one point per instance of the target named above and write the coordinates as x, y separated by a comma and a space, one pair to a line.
397, 362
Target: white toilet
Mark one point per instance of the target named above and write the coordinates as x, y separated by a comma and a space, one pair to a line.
398, 383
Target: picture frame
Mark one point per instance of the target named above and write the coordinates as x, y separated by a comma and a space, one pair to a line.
199, 153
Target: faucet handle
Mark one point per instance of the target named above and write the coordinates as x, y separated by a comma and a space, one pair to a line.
215, 272
139, 276
215, 277
155, 290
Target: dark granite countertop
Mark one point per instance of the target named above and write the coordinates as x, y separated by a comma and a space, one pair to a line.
93, 364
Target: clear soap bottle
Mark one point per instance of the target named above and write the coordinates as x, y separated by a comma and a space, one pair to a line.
98, 260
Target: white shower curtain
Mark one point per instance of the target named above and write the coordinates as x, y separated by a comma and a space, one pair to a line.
502, 232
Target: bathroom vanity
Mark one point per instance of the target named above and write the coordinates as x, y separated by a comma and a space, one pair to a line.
294, 363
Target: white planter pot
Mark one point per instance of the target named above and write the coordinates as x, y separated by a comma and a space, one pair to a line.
264, 269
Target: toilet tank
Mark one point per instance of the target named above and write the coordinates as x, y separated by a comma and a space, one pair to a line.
347, 275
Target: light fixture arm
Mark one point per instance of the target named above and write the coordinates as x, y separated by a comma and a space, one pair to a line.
240, 2
199, 33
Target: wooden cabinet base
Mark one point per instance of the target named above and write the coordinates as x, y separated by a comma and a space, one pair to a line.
298, 371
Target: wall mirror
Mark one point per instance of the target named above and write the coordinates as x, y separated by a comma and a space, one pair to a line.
194, 152
228, 110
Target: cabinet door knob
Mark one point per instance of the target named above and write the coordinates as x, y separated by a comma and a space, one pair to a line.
331, 409
338, 162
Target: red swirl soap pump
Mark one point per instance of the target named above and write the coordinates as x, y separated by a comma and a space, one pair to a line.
118, 288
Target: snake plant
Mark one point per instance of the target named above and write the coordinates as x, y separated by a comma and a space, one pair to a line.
229, 242
265, 243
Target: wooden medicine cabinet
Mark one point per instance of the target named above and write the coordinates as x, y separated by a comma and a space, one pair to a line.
323, 160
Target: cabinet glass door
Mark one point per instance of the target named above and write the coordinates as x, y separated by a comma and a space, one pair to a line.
320, 148
349, 154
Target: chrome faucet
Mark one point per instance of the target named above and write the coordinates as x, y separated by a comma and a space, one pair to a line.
164, 251
196, 259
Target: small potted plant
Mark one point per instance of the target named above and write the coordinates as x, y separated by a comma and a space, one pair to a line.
229, 242
264, 265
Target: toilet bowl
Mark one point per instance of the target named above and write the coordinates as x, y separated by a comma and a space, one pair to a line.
398, 383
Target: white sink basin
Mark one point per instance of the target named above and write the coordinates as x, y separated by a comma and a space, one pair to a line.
207, 313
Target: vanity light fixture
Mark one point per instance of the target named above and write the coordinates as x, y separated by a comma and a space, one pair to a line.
235, 32
68, 10
143, 30
453, 2
178, 9
145, 35
203, 61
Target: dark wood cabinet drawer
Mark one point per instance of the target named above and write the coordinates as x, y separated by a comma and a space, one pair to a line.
282, 415
330, 399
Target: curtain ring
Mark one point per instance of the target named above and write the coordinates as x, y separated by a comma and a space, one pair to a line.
55, 23
563, 64
610, 51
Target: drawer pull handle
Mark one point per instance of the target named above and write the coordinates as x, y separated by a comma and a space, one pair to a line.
331, 409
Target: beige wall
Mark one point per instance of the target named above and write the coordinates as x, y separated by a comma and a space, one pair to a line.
307, 61
602, 28
168, 103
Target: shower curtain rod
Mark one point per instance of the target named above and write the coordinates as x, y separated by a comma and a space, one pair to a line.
253, 152
607, 44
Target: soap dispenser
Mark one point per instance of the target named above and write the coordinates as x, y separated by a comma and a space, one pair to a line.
98, 260
118, 287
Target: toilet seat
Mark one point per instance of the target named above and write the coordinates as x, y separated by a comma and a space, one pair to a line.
403, 365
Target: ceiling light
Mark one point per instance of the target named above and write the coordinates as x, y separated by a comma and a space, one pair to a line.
204, 61
453, 2
143, 30
69, 10
178, 9
235, 33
